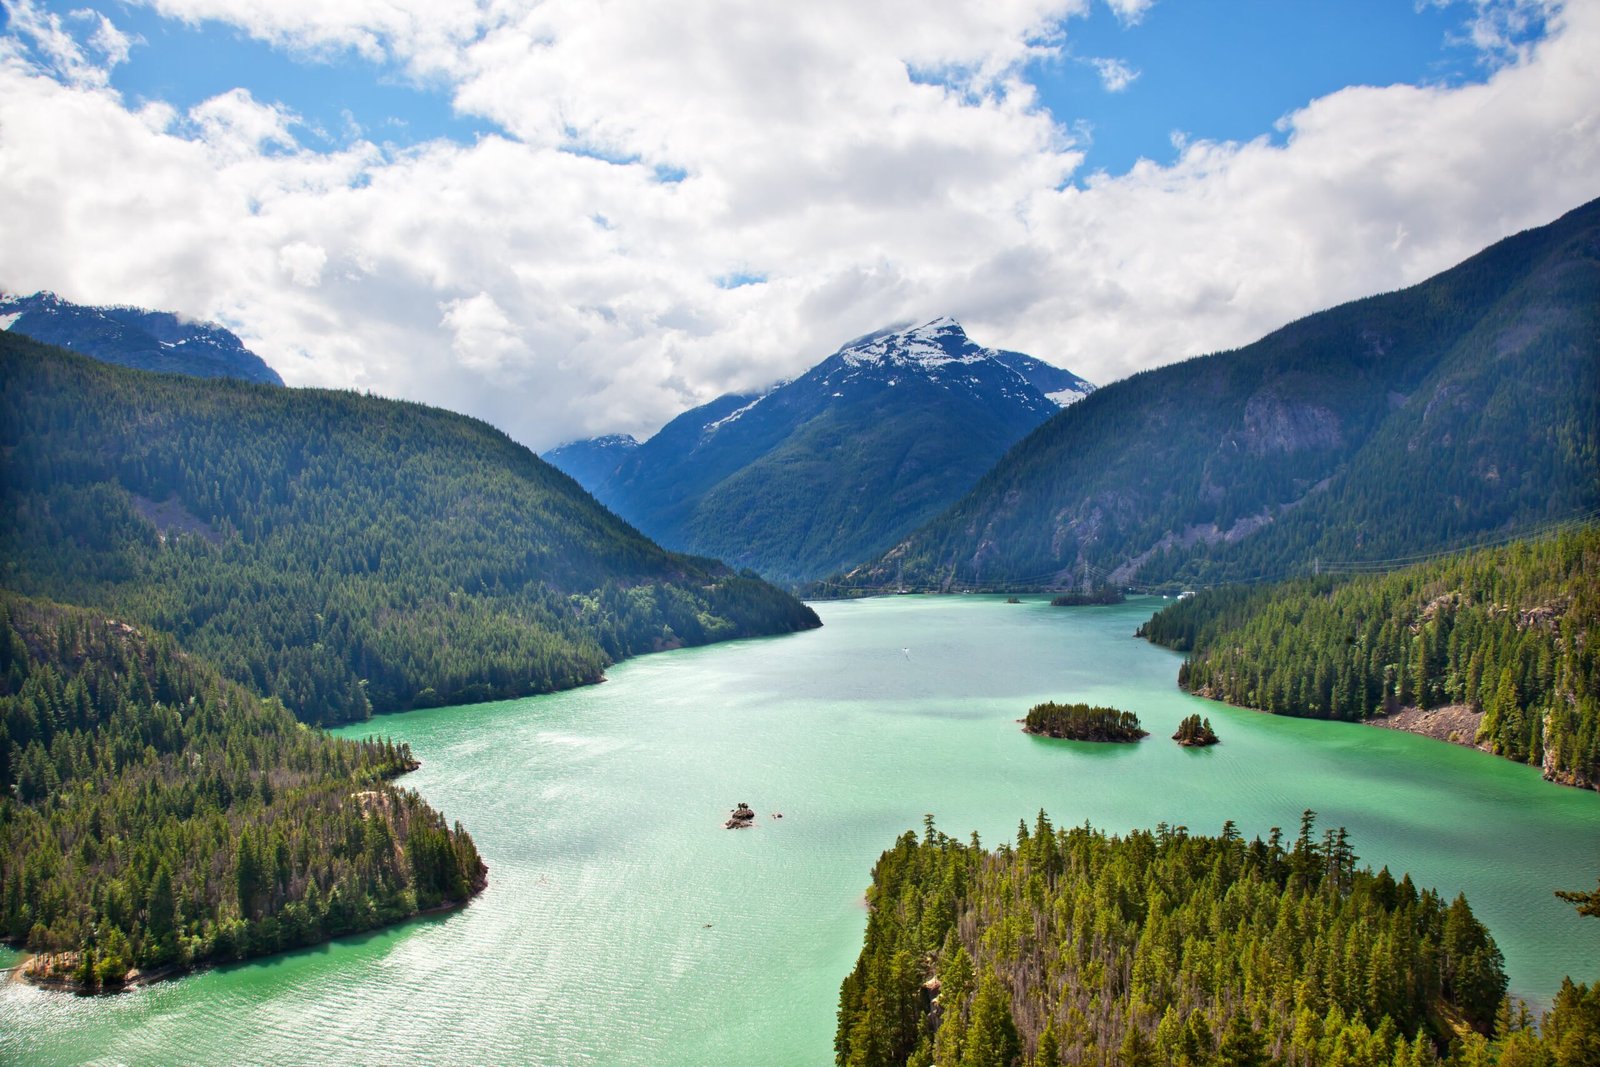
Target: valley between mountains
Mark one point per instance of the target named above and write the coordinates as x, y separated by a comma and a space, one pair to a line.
211, 585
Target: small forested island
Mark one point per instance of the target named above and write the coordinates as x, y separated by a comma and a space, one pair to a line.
155, 816
1076, 947
1100, 594
1080, 722
1195, 732
1502, 645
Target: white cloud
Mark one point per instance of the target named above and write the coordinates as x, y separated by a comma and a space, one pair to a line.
557, 295
1500, 29
235, 124
426, 35
1115, 74
303, 262
1130, 12
109, 41
483, 336
58, 48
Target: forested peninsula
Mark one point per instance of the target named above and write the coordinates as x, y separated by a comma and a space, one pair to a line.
343, 553
1077, 947
1504, 636
155, 817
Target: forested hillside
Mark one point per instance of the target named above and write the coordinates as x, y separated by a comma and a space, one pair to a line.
1509, 632
154, 815
1404, 423
341, 552
1075, 947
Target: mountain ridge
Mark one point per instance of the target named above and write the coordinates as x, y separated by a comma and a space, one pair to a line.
135, 337
1404, 422
812, 473
342, 552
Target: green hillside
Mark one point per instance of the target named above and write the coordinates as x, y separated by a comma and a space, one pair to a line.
1509, 633
1395, 425
343, 553
153, 815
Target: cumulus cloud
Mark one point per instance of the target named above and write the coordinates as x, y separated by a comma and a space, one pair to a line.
303, 262
236, 125
569, 276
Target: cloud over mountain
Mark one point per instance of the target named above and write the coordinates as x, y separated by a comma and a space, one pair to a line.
863, 163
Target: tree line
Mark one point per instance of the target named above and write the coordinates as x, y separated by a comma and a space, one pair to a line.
1508, 632
1162, 947
154, 815
344, 553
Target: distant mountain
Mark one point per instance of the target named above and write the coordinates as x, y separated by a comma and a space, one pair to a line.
134, 337
591, 462
343, 553
1464, 407
834, 466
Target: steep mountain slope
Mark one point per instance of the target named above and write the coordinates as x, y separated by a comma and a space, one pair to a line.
835, 465
1399, 424
337, 551
133, 337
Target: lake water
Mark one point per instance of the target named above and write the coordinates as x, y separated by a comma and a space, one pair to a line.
624, 925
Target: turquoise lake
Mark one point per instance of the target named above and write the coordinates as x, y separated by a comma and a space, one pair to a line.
624, 925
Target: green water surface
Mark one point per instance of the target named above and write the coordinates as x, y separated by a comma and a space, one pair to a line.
624, 925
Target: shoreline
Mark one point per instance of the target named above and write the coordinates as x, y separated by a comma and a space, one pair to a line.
1455, 724
1450, 724
173, 971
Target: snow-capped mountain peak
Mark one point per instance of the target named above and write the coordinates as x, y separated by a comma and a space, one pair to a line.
940, 351
810, 475
933, 344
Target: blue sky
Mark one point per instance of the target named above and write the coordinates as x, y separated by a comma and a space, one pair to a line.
1214, 70
570, 217
1228, 71
185, 63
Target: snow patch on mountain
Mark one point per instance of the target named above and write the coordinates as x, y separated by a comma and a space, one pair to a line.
733, 416
933, 344
1066, 397
615, 440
